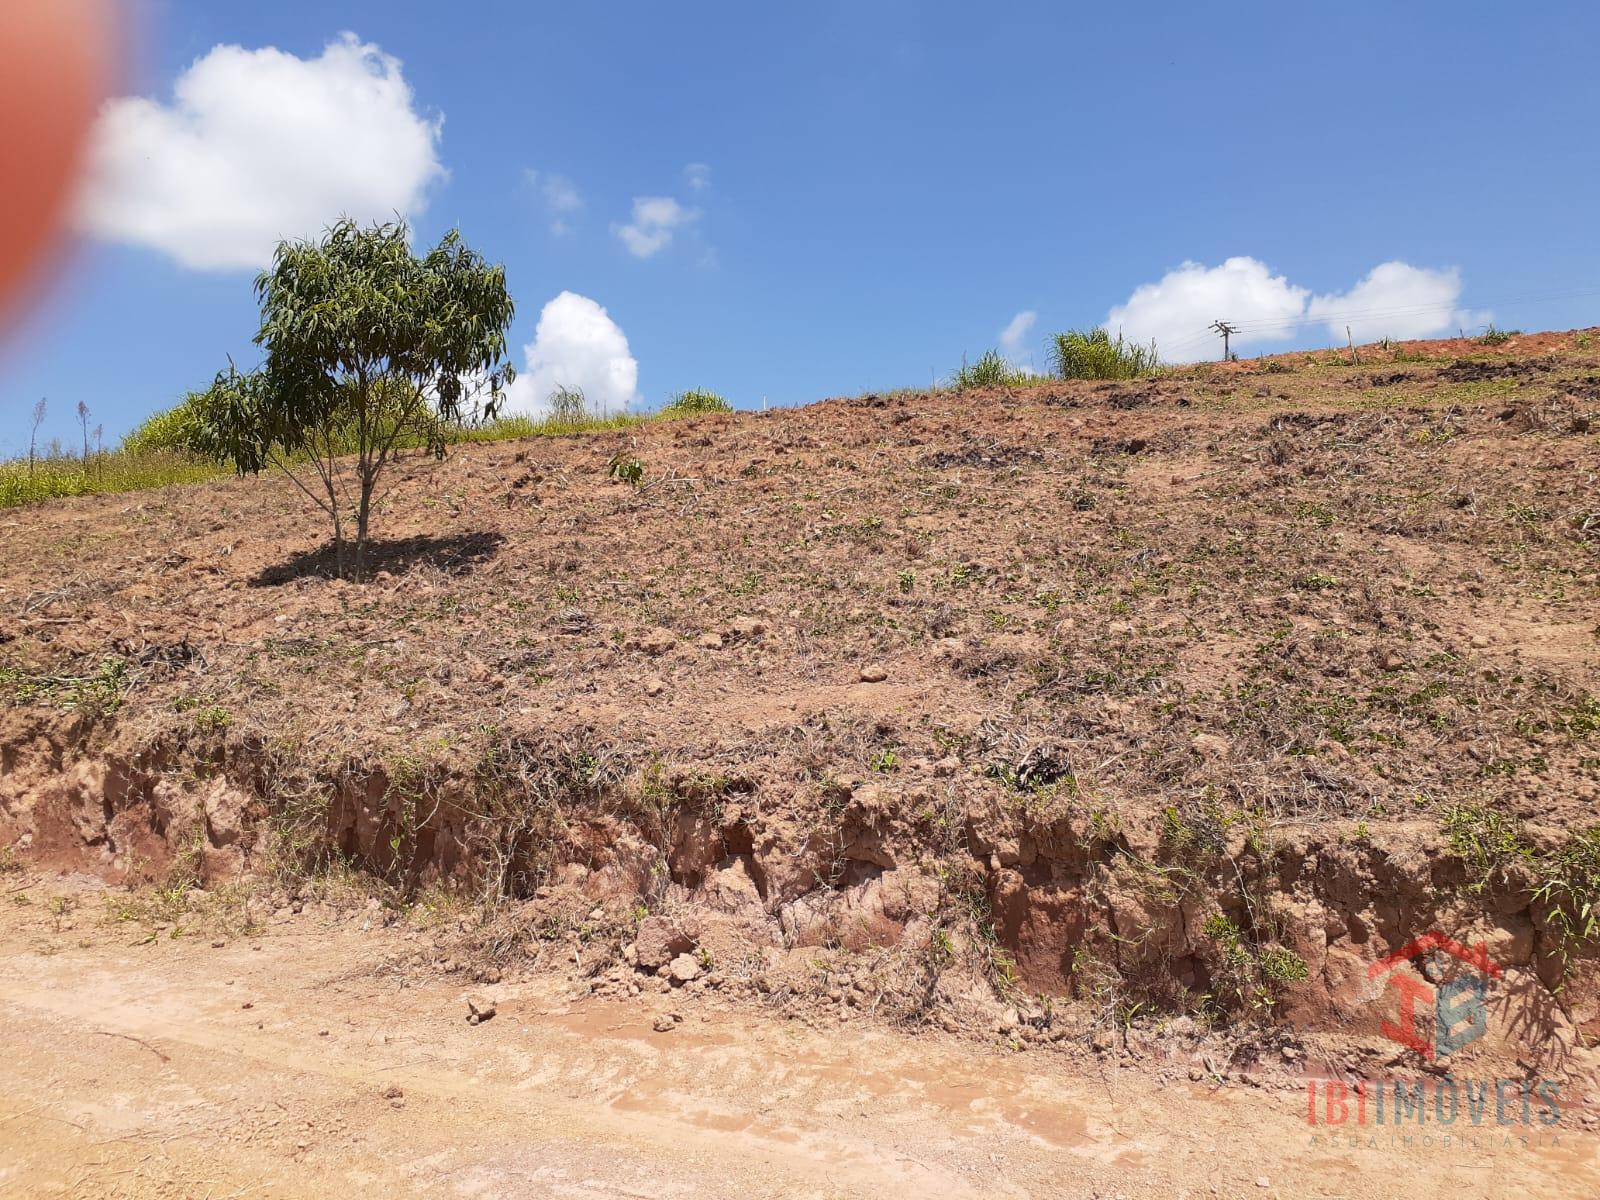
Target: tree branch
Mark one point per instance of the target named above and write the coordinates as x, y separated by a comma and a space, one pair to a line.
310, 495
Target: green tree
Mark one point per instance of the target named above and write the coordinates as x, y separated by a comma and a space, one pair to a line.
369, 348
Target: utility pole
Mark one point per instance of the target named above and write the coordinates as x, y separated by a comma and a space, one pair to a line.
1225, 330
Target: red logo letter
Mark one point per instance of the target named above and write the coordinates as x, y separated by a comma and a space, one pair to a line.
1405, 1032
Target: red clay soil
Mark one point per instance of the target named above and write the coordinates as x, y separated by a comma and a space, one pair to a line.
1081, 714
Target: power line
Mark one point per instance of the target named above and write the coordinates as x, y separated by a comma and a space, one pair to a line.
1245, 329
1334, 317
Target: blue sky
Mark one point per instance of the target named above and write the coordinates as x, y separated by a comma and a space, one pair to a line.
883, 186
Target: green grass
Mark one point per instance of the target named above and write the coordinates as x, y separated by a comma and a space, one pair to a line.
1094, 354
992, 370
1495, 849
694, 401
506, 429
99, 694
110, 471
150, 457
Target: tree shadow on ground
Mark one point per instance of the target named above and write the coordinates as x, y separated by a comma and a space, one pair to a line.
457, 554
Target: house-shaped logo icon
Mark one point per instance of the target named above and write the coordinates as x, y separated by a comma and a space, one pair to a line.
1460, 1005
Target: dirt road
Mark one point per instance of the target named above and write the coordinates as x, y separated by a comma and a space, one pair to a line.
293, 1065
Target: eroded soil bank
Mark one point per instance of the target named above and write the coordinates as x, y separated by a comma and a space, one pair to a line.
1037, 923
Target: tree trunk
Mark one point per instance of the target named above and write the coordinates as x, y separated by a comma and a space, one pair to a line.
338, 544
363, 510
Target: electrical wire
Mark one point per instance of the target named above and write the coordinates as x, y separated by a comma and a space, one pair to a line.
1245, 329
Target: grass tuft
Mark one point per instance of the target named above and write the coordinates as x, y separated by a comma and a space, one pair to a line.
991, 370
694, 401
1094, 354
1498, 337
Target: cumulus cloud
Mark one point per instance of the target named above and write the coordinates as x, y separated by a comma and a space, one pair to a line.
655, 220
698, 176
1015, 333
576, 345
1394, 300
1183, 302
1398, 301
560, 197
255, 146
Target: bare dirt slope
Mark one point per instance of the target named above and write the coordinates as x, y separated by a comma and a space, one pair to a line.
303, 1063
1123, 726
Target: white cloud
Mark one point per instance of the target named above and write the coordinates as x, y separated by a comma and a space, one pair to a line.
698, 176
655, 219
1398, 301
1016, 330
256, 146
1176, 310
576, 345
1394, 300
560, 197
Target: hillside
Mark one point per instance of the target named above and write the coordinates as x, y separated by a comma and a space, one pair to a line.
1061, 711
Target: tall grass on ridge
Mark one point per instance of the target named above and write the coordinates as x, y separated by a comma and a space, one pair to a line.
991, 370
694, 401
1093, 354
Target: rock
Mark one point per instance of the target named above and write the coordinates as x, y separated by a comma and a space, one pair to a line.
654, 686
731, 889
479, 1009
659, 941
664, 1023
1508, 938
683, 969
1263, 1182
874, 673
870, 799
710, 641
1480, 642
656, 641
